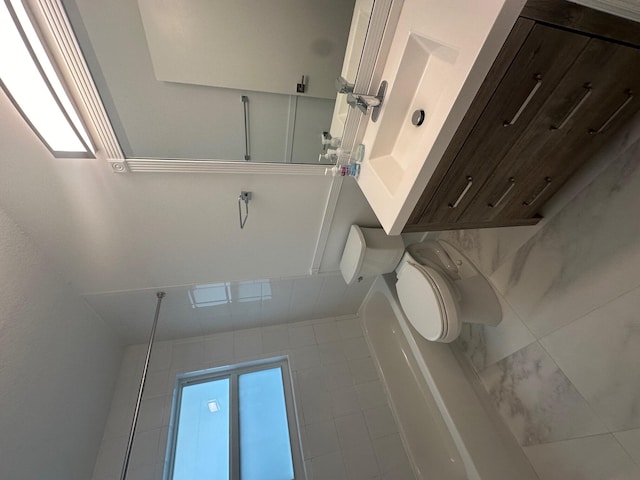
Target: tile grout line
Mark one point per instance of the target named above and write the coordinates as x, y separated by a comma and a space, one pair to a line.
635, 287
637, 463
593, 411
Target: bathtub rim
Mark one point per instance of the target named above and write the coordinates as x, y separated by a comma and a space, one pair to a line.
471, 434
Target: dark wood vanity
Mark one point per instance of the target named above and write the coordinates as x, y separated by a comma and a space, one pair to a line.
566, 79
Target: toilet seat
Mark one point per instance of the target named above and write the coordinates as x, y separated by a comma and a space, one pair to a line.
428, 302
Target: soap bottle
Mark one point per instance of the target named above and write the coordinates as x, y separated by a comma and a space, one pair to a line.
352, 169
339, 152
335, 170
347, 170
328, 157
359, 153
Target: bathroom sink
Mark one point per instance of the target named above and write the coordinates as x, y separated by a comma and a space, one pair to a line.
439, 55
425, 66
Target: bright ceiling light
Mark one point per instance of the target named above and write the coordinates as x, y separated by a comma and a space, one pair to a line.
213, 405
31, 83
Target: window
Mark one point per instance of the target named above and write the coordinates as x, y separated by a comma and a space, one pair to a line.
30, 81
235, 423
213, 294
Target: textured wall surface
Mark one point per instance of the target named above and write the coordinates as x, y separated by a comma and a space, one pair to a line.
346, 426
58, 364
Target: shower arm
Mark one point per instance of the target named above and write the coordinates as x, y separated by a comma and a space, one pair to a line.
136, 411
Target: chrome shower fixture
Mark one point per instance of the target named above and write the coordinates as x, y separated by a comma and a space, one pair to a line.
244, 197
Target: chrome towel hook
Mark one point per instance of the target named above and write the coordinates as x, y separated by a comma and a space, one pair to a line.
244, 197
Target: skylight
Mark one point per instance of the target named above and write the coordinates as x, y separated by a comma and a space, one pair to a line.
30, 81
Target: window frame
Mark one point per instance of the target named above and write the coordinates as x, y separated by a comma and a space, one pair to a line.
233, 372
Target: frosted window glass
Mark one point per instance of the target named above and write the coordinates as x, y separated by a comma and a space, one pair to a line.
202, 446
265, 447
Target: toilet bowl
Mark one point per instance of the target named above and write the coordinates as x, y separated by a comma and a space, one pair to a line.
438, 288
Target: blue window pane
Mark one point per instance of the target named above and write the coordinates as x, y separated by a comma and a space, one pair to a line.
202, 446
265, 448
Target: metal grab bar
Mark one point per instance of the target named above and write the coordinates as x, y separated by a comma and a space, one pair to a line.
538, 78
245, 107
244, 196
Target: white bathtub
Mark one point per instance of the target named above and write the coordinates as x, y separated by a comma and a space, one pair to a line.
449, 430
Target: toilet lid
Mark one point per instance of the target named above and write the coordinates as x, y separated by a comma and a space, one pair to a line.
426, 301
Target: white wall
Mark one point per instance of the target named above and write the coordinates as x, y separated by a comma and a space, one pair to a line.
114, 232
58, 364
346, 425
249, 45
156, 118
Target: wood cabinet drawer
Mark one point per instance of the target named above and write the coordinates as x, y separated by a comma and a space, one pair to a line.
539, 66
593, 93
557, 101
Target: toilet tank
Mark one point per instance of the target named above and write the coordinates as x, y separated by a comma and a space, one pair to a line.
369, 252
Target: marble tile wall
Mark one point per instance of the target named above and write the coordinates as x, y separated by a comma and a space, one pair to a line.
563, 367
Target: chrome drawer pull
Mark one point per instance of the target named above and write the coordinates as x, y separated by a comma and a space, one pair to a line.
512, 183
464, 192
538, 84
547, 183
614, 114
587, 94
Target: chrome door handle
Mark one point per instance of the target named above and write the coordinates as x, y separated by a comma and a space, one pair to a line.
464, 192
534, 199
629, 93
572, 112
538, 78
512, 183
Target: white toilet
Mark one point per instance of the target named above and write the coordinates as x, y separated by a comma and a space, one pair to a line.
438, 287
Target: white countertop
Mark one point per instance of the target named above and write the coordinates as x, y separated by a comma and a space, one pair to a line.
457, 42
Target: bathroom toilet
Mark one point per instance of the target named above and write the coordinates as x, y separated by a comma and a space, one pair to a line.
438, 288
